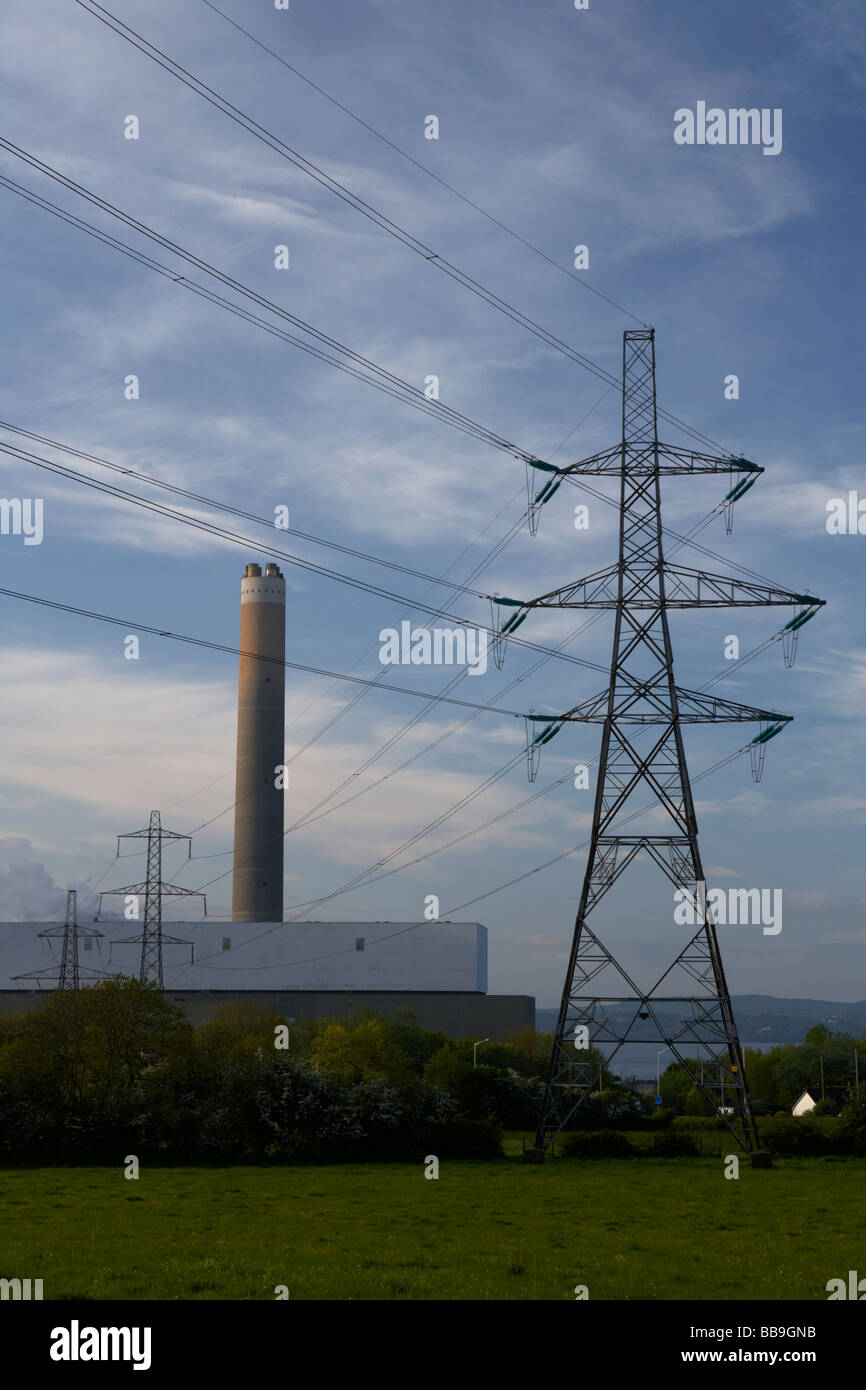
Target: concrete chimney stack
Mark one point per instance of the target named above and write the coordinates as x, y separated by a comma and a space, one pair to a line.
257, 884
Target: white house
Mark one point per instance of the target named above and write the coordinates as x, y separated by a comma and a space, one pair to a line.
804, 1103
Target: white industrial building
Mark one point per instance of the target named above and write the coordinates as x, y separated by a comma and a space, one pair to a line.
437, 970
385, 956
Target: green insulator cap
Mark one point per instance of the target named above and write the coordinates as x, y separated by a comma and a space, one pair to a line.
542, 496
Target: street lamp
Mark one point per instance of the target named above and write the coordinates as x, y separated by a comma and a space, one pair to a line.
658, 1074
475, 1047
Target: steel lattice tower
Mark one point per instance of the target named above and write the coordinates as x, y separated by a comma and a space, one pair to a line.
640, 589
69, 952
153, 890
70, 932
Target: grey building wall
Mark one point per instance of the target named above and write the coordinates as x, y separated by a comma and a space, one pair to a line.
494, 1016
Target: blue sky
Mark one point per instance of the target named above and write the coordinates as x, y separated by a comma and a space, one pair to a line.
559, 123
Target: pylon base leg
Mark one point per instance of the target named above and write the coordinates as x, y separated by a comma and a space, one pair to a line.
762, 1159
533, 1155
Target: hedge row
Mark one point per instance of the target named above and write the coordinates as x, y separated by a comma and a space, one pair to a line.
608, 1143
784, 1137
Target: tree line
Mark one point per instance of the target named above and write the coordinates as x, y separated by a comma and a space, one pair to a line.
114, 1069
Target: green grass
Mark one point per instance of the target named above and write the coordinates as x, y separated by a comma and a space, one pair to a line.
639, 1229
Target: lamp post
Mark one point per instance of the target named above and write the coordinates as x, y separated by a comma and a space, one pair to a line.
822, 1072
658, 1074
475, 1047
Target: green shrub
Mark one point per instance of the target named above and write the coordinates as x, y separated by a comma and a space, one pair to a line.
673, 1145
852, 1127
597, 1143
462, 1136
664, 1117
826, 1107
616, 1105
789, 1137
694, 1123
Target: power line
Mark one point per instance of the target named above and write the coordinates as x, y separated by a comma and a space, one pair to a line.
198, 497
309, 817
204, 500
497, 222
184, 799
699, 526
492, 554
307, 166
385, 672
121, 494
362, 880
433, 699
478, 569
470, 902
381, 380
67, 471
236, 651
431, 580
454, 418
117, 468
299, 161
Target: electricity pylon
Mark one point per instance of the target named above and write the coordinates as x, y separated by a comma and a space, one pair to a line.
153, 890
71, 933
640, 589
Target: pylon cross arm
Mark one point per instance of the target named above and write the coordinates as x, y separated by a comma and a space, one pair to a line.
694, 707
684, 587
650, 457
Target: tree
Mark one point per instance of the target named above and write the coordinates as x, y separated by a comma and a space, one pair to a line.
818, 1035
364, 1052
760, 1073
675, 1086
239, 1029
87, 1073
852, 1125
535, 1047
93, 1045
451, 1070
696, 1103
416, 1044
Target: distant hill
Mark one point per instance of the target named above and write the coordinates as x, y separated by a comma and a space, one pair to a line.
765, 1019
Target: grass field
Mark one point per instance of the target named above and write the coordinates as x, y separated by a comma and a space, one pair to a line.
657, 1229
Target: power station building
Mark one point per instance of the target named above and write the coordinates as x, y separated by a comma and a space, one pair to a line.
437, 970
